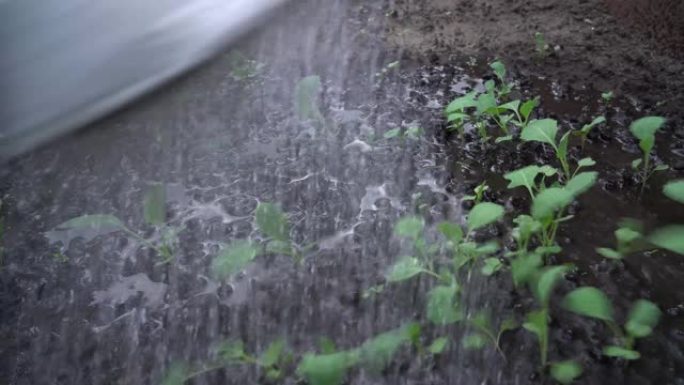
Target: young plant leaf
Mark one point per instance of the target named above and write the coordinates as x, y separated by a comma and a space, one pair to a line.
326, 369
525, 267
234, 258
438, 345
542, 130
527, 108
409, 227
590, 302
232, 351
451, 231
176, 375
393, 133
675, 190
405, 268
523, 177
491, 266
588, 127
474, 341
586, 162
537, 323
485, 103
502, 139
547, 281
483, 214
103, 222
442, 306
461, 103
272, 222
154, 205
609, 253
306, 98
644, 129
377, 352
620, 352
642, 318
499, 70
669, 238
273, 352
581, 182
547, 202
565, 372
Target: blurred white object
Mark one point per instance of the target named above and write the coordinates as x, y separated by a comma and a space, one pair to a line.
64, 63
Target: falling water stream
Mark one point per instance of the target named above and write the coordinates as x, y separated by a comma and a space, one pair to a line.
86, 309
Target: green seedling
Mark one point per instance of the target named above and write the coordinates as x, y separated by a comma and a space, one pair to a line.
526, 176
538, 320
154, 212
641, 320
242, 68
675, 190
411, 132
644, 130
306, 99
607, 97
484, 333
545, 131
438, 345
565, 372
479, 191
271, 362
629, 240
540, 46
584, 132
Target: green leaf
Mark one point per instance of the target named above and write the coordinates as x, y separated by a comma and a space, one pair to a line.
675, 190
608, 253
232, 351
542, 130
563, 146
590, 302
511, 106
306, 98
499, 69
642, 318
586, 162
491, 266
461, 103
523, 177
154, 205
526, 226
524, 268
669, 238
409, 227
234, 258
326, 369
636, 163
527, 108
547, 202
644, 129
581, 182
414, 132
483, 214
272, 354
451, 231
442, 306
587, 127
485, 103
537, 323
620, 352
104, 222
474, 341
457, 117
377, 352
393, 133
404, 269
502, 139
176, 375
547, 282
661, 167
272, 222
565, 372
437, 346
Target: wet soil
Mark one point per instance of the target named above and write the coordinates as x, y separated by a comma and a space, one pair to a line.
107, 312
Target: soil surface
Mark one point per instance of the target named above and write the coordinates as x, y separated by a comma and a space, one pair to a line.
87, 309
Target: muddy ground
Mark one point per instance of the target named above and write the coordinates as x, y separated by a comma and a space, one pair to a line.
221, 144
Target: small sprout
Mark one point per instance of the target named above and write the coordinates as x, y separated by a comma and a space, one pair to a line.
491, 266
474, 341
479, 193
540, 45
326, 369
272, 222
451, 231
438, 345
607, 96
538, 324
642, 318
525, 177
584, 132
393, 133
645, 129
670, 238
627, 239
565, 372
544, 131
